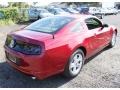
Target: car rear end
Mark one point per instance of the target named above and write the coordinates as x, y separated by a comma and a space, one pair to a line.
27, 55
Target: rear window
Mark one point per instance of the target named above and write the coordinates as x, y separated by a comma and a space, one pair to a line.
49, 24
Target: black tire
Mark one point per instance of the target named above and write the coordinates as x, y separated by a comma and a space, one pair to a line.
102, 16
67, 72
111, 42
39, 17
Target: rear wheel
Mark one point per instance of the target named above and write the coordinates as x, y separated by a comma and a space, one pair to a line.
74, 64
113, 40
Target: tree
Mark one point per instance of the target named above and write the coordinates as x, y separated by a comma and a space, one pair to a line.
10, 4
18, 4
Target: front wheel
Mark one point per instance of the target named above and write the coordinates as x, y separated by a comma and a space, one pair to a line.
74, 64
113, 40
39, 17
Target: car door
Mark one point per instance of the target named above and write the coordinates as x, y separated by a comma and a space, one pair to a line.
101, 34
83, 36
95, 32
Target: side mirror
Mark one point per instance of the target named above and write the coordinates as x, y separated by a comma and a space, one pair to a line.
105, 25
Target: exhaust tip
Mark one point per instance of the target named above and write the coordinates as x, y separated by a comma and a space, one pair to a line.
33, 78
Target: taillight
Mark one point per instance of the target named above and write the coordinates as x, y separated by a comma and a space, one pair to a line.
23, 47
31, 49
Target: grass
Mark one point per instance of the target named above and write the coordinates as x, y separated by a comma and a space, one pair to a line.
5, 22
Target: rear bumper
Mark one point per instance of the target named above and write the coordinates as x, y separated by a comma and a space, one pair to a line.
37, 66
31, 73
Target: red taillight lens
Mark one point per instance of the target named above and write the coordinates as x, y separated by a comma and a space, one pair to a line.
23, 47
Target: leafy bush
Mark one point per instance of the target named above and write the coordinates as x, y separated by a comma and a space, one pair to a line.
6, 22
13, 15
23, 15
10, 13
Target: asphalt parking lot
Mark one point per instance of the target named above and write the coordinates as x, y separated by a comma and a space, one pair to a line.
102, 70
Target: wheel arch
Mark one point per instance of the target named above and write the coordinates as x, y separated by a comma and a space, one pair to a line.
116, 31
78, 47
83, 49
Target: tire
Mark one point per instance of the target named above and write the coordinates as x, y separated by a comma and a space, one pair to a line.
38, 18
73, 68
102, 16
113, 40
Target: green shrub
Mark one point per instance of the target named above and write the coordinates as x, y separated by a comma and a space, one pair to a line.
13, 15
4, 22
10, 14
23, 15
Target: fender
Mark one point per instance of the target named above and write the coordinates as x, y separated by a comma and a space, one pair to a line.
113, 28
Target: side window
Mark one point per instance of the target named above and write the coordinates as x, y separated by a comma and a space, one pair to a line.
93, 23
77, 27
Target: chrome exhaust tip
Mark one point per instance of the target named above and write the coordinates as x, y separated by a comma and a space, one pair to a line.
33, 78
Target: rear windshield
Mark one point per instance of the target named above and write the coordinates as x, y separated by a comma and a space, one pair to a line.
49, 24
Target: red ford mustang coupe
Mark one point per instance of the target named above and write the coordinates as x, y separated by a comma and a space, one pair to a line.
58, 44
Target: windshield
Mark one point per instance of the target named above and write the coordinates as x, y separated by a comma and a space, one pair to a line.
49, 24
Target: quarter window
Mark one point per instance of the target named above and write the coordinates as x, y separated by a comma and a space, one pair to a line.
77, 27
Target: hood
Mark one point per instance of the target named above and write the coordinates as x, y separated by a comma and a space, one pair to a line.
29, 36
